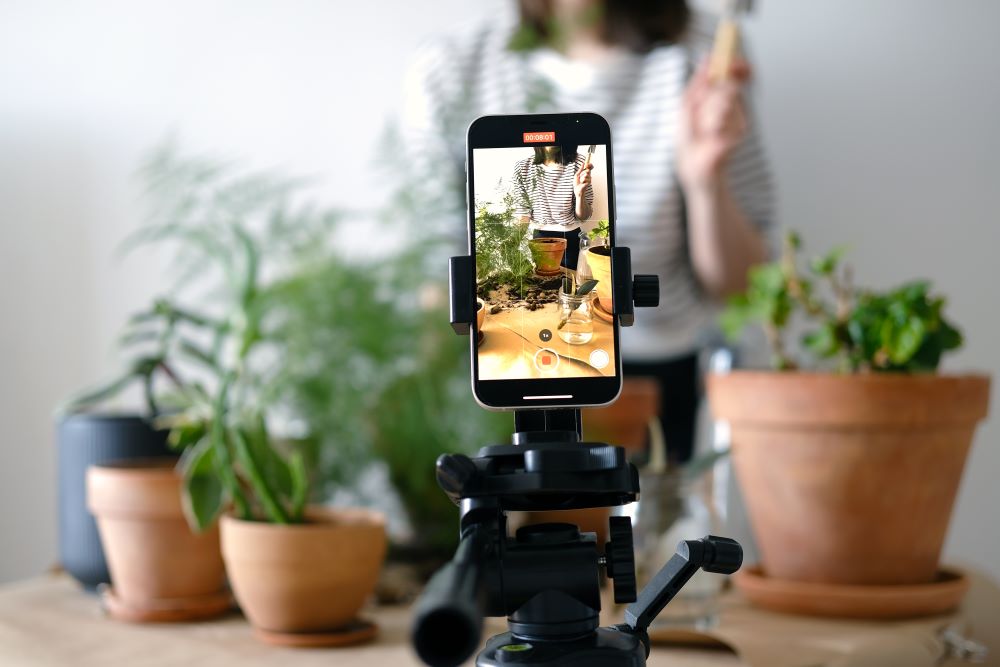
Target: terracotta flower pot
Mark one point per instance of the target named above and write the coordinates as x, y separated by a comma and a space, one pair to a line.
480, 314
87, 439
599, 261
153, 555
547, 254
311, 577
849, 479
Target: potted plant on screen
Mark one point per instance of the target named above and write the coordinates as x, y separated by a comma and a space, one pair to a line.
849, 471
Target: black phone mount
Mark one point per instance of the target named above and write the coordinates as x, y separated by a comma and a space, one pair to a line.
546, 579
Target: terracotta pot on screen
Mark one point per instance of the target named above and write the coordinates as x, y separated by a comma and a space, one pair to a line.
547, 254
160, 569
599, 261
849, 479
305, 578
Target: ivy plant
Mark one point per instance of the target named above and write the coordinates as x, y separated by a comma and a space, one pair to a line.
899, 330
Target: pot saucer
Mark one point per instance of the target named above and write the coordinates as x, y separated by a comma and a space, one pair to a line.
601, 312
177, 610
854, 601
358, 631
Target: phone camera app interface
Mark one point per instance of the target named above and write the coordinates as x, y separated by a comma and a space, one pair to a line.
543, 261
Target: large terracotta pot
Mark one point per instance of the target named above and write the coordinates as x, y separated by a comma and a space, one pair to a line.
849, 479
153, 555
547, 254
599, 261
310, 577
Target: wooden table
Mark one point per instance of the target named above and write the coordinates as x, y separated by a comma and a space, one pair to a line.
50, 622
511, 341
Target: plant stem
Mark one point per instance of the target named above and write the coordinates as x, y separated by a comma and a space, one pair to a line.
275, 512
223, 456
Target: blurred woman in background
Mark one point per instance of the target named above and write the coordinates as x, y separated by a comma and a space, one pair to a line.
693, 189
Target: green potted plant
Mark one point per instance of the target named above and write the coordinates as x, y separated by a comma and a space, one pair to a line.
849, 472
300, 572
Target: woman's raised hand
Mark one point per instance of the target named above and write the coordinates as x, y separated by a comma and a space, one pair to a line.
582, 179
713, 122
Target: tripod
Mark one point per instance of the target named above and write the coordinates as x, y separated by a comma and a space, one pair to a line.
546, 579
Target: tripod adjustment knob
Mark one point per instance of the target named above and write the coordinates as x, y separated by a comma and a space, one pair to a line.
454, 474
619, 559
646, 291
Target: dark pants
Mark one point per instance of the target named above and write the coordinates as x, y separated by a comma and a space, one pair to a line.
680, 393
572, 254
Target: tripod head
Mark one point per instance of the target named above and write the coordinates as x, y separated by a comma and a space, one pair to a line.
546, 578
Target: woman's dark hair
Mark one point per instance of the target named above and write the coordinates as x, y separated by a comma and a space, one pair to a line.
638, 25
567, 154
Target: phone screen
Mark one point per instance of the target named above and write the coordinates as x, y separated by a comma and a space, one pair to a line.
542, 229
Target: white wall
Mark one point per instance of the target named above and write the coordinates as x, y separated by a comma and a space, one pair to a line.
881, 124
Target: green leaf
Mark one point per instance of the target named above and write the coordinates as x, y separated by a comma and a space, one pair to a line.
195, 352
204, 495
902, 341
93, 397
767, 279
823, 342
300, 486
262, 490
736, 316
272, 466
827, 264
184, 434
586, 287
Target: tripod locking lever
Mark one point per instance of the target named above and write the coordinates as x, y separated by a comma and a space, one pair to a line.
713, 554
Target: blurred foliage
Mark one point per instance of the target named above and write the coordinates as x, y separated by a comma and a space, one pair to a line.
901, 330
352, 357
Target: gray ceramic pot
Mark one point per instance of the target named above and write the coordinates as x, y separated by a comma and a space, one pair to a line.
85, 440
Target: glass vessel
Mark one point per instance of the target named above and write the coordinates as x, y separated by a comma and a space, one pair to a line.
576, 318
673, 508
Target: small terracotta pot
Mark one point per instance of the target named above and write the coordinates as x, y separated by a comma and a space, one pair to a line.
599, 261
310, 577
849, 479
152, 554
547, 254
480, 314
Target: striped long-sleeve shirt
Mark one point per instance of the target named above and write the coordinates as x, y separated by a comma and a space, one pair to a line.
455, 81
545, 193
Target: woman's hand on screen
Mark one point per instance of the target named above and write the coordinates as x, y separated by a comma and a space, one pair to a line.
582, 179
713, 122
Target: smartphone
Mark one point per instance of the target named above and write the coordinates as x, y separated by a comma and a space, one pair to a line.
541, 229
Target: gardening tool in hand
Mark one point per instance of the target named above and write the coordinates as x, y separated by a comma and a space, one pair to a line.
727, 46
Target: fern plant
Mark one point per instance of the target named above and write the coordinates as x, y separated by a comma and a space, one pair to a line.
502, 253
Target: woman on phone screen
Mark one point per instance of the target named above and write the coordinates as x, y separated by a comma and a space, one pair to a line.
693, 190
554, 193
